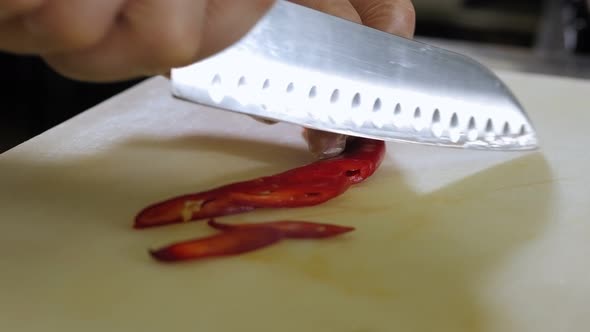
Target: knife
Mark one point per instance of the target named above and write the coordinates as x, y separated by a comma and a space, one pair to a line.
301, 66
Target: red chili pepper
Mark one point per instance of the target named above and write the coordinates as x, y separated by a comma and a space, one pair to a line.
291, 229
221, 203
360, 160
238, 239
223, 244
291, 195
303, 186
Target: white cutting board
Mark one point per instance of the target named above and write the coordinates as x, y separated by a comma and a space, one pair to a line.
446, 240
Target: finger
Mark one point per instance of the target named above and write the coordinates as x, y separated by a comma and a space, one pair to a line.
154, 36
340, 8
148, 35
226, 21
65, 25
323, 144
59, 25
13, 37
12, 8
397, 17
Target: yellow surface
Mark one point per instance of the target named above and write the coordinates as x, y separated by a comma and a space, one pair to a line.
446, 240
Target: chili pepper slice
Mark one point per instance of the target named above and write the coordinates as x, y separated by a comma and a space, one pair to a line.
292, 229
216, 204
222, 244
308, 185
239, 239
360, 160
291, 195
186, 208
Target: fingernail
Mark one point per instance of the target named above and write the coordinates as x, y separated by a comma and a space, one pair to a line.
331, 152
264, 120
327, 146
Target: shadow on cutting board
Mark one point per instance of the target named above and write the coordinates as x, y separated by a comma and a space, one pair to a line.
415, 263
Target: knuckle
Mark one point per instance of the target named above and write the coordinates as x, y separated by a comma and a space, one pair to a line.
88, 68
15, 7
262, 5
396, 16
404, 10
408, 19
80, 38
408, 12
393, 8
176, 48
64, 66
64, 34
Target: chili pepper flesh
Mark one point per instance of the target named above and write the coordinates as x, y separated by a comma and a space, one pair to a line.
243, 238
291, 229
222, 244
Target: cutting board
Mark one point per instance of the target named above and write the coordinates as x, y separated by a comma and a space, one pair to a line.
445, 239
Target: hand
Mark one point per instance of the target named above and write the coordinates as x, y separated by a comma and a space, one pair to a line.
109, 40
393, 16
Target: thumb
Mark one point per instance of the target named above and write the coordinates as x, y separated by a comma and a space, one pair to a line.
397, 17
340, 8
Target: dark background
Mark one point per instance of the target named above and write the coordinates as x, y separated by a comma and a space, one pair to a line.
34, 98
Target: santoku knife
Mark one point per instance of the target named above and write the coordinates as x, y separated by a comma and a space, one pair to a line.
315, 70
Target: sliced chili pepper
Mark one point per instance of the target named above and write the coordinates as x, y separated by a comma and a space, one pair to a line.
303, 186
216, 204
239, 239
187, 208
291, 229
360, 160
291, 195
222, 244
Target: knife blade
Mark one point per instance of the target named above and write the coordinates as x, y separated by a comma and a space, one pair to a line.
301, 66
